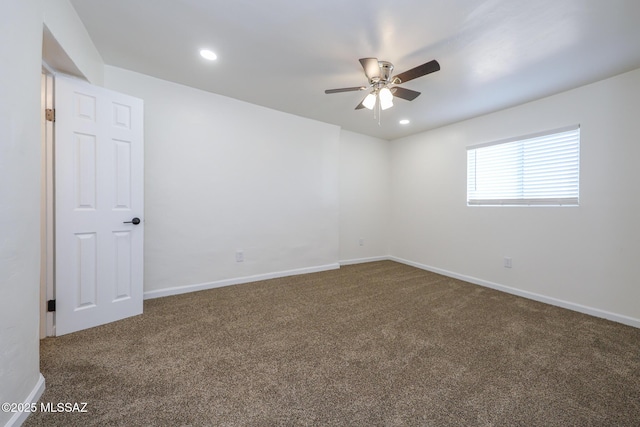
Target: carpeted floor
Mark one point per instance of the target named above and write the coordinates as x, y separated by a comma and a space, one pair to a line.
378, 344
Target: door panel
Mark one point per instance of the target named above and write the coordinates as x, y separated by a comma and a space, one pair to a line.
122, 174
98, 189
123, 273
86, 271
84, 166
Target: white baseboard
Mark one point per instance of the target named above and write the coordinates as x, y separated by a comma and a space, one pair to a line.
363, 260
626, 320
19, 418
236, 281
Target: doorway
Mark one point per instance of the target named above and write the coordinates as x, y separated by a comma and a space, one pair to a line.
92, 204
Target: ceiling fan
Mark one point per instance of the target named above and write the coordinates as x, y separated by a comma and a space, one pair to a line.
384, 86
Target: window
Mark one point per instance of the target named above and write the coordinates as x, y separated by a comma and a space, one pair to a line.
540, 169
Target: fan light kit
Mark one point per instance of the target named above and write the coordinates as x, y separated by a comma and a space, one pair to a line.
383, 86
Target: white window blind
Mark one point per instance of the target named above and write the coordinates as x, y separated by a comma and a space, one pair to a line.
541, 169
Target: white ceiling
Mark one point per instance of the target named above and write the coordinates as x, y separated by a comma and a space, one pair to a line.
283, 54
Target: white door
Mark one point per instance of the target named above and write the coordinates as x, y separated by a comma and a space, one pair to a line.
98, 193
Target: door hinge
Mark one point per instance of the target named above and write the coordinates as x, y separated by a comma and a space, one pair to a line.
51, 305
50, 114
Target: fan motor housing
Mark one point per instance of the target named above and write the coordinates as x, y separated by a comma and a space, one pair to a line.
385, 70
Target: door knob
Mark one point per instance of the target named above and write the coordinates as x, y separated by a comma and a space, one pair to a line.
134, 221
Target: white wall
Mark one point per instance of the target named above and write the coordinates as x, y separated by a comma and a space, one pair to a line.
364, 197
587, 255
65, 26
20, 23
222, 175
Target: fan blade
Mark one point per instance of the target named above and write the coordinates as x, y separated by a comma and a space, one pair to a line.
419, 71
403, 93
371, 68
345, 89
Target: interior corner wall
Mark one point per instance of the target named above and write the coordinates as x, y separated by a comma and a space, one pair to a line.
364, 197
64, 24
222, 175
20, 73
586, 256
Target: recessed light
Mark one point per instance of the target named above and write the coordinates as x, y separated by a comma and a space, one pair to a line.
404, 122
207, 54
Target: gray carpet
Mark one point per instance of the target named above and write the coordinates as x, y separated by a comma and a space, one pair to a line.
377, 344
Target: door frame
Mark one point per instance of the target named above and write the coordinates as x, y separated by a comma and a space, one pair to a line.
47, 217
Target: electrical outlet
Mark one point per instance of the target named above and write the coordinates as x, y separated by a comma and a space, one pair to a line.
239, 255
507, 262
361, 242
